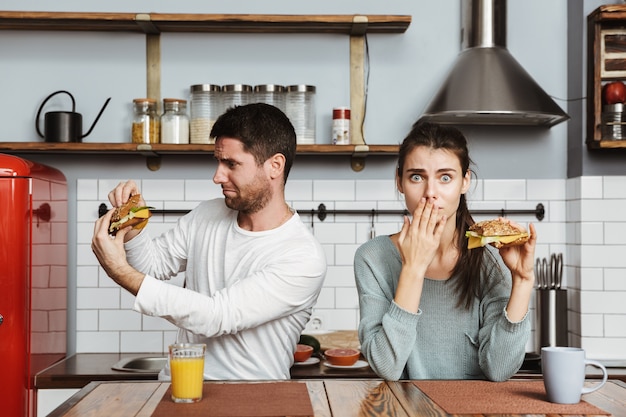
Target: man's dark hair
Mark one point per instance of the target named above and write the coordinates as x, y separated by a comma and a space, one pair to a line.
264, 130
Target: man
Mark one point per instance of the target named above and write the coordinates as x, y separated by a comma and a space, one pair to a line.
253, 270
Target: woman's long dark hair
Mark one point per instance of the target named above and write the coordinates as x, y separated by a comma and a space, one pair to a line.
470, 262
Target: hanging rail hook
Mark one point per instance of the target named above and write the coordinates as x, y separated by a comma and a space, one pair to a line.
322, 212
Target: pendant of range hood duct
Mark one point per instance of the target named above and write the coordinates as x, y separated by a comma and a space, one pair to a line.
487, 86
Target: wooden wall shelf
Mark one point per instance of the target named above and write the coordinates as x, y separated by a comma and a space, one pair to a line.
153, 24
153, 152
171, 149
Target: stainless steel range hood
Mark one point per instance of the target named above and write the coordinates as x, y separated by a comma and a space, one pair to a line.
487, 86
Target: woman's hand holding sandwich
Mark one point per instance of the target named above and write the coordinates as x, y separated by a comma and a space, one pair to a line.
520, 260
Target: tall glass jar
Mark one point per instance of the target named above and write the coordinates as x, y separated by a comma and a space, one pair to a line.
301, 112
206, 107
236, 95
271, 94
146, 126
174, 121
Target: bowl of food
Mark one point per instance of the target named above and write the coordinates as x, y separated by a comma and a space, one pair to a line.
302, 353
342, 356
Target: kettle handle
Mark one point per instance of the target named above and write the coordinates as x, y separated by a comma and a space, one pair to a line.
97, 118
44, 102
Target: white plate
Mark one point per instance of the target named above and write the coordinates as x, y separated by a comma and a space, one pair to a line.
311, 361
358, 364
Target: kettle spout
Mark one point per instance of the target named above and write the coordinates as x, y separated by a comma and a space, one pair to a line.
97, 118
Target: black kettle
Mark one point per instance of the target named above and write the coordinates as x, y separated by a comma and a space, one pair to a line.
64, 126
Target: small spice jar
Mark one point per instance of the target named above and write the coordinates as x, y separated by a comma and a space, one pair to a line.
146, 121
341, 126
174, 121
205, 108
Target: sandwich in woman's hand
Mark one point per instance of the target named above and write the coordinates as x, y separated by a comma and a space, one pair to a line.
495, 232
130, 214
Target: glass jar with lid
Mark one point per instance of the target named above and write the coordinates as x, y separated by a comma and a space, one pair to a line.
174, 121
301, 111
205, 108
271, 94
146, 121
236, 95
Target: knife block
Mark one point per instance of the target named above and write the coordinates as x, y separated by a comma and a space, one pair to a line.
551, 310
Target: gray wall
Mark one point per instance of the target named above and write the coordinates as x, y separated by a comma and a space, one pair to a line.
405, 71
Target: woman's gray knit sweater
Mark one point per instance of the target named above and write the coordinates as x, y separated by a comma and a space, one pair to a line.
441, 341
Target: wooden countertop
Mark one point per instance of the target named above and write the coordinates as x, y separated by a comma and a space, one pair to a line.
80, 369
334, 397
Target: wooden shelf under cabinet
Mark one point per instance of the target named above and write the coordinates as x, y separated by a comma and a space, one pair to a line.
606, 62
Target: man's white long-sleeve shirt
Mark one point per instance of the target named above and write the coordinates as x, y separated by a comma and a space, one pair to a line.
247, 296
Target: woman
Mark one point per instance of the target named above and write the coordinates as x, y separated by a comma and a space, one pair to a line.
431, 308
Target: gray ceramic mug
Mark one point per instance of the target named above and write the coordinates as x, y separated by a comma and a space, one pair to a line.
564, 374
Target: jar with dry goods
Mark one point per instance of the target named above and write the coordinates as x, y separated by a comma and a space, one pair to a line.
146, 126
174, 122
270, 94
301, 111
236, 95
341, 126
205, 108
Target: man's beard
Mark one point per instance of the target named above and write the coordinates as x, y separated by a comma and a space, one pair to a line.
257, 195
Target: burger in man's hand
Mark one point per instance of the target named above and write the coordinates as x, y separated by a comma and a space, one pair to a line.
130, 214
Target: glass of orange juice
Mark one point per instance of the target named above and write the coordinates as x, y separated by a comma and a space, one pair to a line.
187, 369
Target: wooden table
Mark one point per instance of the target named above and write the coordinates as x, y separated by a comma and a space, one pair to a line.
332, 397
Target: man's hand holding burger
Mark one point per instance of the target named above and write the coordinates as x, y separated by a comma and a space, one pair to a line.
109, 247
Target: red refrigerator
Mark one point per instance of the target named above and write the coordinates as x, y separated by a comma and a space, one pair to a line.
33, 278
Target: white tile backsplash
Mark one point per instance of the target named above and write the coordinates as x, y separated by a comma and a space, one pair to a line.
119, 320
592, 324
99, 298
145, 341
614, 187
87, 189
98, 342
545, 189
87, 320
338, 190
335, 233
339, 276
504, 189
167, 190
299, 190
615, 325
583, 220
375, 190
615, 280
614, 233
347, 297
199, 190
590, 188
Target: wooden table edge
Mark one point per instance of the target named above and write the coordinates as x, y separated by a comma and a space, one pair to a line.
313, 386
